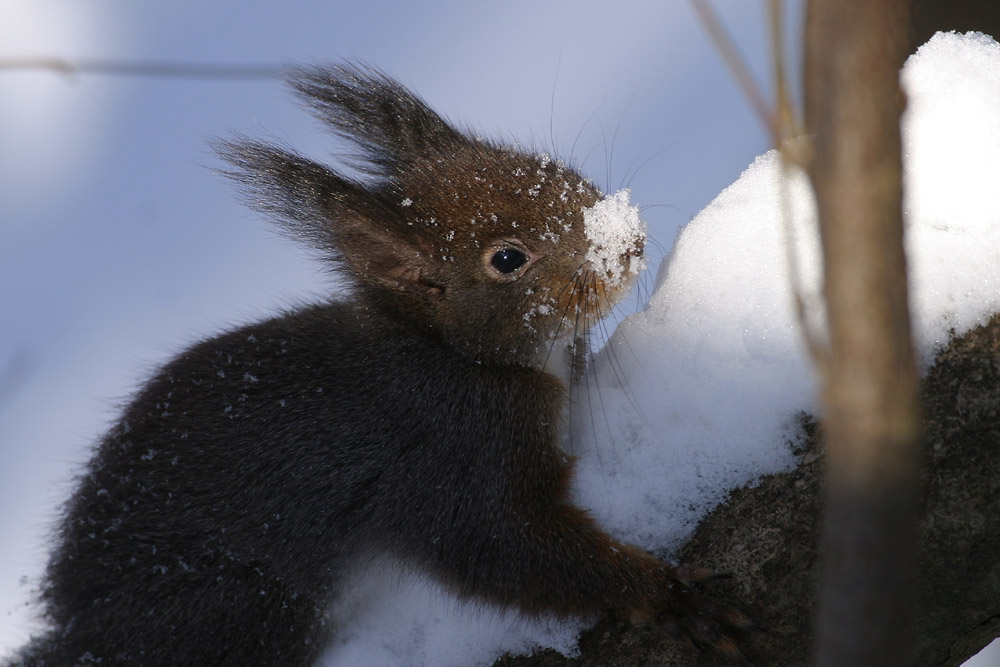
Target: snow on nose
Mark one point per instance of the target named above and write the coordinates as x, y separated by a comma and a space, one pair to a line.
617, 235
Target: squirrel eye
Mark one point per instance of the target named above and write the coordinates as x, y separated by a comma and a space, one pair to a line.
508, 260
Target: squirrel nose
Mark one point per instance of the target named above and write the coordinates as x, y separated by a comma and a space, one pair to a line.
637, 248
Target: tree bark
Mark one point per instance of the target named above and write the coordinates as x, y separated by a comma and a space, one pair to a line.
766, 535
930, 16
854, 50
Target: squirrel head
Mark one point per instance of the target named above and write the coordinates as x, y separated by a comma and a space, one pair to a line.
496, 251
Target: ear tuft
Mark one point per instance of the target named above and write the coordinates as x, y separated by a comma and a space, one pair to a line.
306, 198
358, 222
389, 123
343, 219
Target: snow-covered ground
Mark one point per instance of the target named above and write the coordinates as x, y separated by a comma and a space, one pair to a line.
693, 396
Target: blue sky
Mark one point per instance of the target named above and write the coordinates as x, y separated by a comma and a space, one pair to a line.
120, 245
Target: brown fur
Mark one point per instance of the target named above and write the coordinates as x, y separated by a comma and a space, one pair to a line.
216, 520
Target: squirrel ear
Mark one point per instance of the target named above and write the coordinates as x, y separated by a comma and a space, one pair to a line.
380, 257
336, 215
389, 123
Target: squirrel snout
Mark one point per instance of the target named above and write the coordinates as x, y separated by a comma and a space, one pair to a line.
638, 247
611, 266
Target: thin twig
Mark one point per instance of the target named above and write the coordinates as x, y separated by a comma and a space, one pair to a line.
170, 70
737, 65
794, 149
788, 124
15, 373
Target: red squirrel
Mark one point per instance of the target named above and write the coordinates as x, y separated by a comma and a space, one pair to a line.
419, 416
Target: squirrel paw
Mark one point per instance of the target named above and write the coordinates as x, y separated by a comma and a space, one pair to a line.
689, 615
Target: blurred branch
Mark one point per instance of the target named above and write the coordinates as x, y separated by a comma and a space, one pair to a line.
784, 126
170, 70
789, 125
737, 65
854, 50
15, 373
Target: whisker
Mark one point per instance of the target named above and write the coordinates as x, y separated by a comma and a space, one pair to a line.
589, 153
601, 326
617, 368
589, 390
607, 163
562, 318
614, 137
576, 287
628, 177
628, 345
552, 110
672, 207
645, 291
572, 150
656, 244
619, 372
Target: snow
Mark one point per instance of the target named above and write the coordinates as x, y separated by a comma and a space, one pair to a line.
391, 616
701, 391
952, 144
613, 227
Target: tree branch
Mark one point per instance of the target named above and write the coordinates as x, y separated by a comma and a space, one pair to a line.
854, 50
143, 68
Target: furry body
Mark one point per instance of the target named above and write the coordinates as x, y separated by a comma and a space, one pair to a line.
198, 535
417, 418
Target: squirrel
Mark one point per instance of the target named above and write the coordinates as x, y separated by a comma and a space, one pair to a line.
420, 416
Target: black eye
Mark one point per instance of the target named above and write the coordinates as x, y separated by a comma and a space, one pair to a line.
508, 260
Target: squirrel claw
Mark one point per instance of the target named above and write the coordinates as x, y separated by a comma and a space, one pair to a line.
722, 644
689, 574
701, 621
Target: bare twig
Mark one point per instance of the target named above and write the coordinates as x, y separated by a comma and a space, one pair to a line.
737, 65
170, 70
15, 373
784, 126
